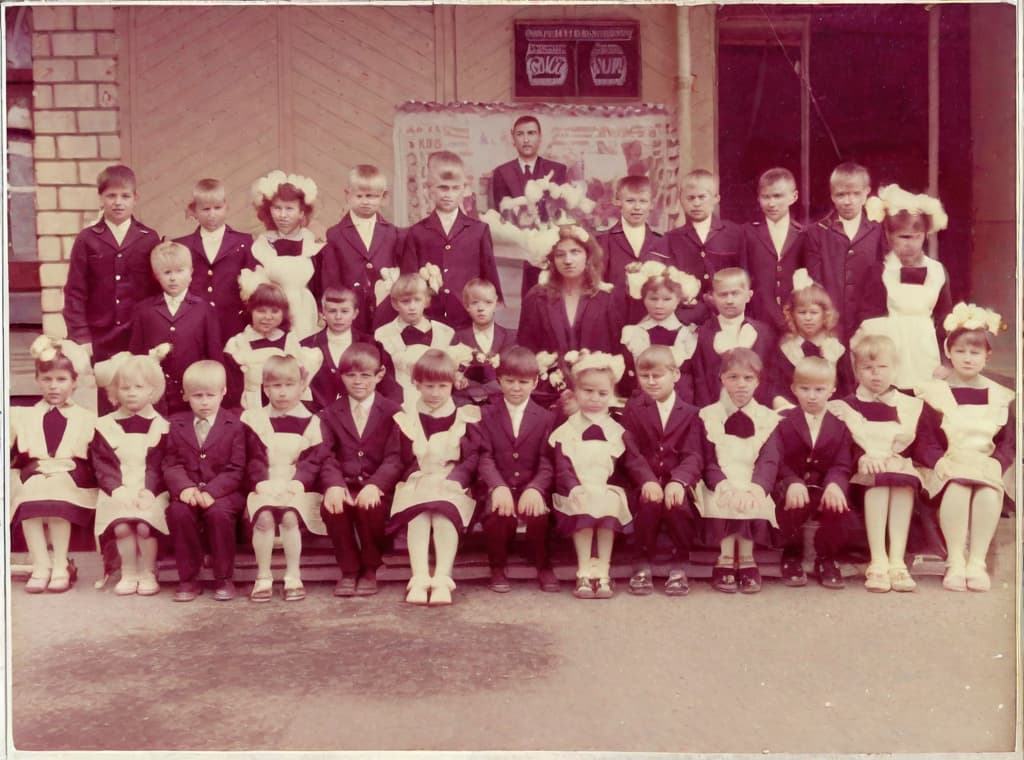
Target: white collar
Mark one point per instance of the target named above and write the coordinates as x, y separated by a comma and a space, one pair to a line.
671, 322
175, 300
516, 409
298, 411
669, 402
447, 218
251, 334
333, 337
216, 234
273, 235
703, 227
782, 224
366, 403
489, 330
445, 410
885, 396
424, 325
147, 411
599, 421
211, 420
119, 230
734, 322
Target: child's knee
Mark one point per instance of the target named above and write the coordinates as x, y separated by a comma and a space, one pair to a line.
264, 521
122, 530
289, 521
143, 530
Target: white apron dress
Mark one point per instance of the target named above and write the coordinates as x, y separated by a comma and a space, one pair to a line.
403, 356
637, 339
251, 361
292, 274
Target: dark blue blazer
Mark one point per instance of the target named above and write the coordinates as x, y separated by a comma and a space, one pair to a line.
672, 453
326, 385
829, 460
517, 462
617, 254
771, 275
217, 467
217, 283
707, 364
352, 460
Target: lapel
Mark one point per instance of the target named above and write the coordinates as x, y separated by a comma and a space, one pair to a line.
162, 310
505, 420
559, 320
349, 423
514, 178
380, 229
135, 232
220, 424
791, 236
716, 226
800, 425
320, 341
765, 237
227, 243
828, 431
351, 234
188, 430
461, 222
675, 417
500, 338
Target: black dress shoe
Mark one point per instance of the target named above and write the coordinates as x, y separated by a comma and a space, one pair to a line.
547, 581
225, 591
187, 591
829, 574
792, 571
499, 582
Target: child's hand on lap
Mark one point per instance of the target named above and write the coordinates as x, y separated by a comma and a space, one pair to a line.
190, 496
335, 499
675, 495
204, 500
870, 465
369, 497
531, 503
797, 496
833, 499
651, 491
502, 502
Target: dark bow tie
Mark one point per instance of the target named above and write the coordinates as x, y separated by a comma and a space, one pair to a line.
135, 424
413, 336
432, 425
877, 411
970, 396
913, 275
288, 423
267, 343
288, 247
594, 433
662, 336
54, 425
739, 424
811, 349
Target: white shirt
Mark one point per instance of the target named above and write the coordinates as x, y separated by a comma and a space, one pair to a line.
366, 404
731, 326
516, 411
778, 231
212, 241
365, 228
119, 230
665, 409
635, 235
337, 343
174, 303
814, 425
299, 411
850, 226
447, 219
484, 338
531, 164
703, 229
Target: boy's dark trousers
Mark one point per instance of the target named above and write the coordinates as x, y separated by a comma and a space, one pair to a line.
829, 539
344, 527
219, 521
648, 517
500, 530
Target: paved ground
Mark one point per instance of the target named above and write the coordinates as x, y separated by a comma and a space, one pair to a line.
789, 670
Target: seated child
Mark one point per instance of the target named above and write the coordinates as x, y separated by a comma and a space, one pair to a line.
893, 433
268, 334
589, 446
432, 502
284, 458
515, 469
485, 338
411, 333
741, 460
203, 467
55, 488
219, 254
176, 317
811, 328
361, 465
729, 329
459, 246
814, 476
340, 310
361, 246
126, 454
661, 289
666, 430
977, 425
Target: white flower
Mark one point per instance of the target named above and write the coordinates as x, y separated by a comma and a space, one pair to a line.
495, 361
589, 360
546, 360
896, 199
382, 288
43, 348
533, 191
875, 209
832, 350
587, 205
801, 279
973, 317
431, 274
544, 277
460, 353
557, 379
160, 352
571, 357
250, 279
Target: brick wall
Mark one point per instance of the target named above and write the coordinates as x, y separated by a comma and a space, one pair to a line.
75, 112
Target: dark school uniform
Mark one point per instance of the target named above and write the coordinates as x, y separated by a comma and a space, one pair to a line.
326, 385
353, 460
771, 271
518, 462
216, 467
193, 332
464, 253
707, 359
509, 181
105, 282
346, 262
790, 350
672, 453
216, 282
724, 248
828, 460
618, 253
481, 374
682, 339
839, 263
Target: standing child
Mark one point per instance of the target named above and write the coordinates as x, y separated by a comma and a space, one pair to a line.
485, 338
178, 318
811, 323
775, 247
340, 310
411, 333
729, 329
906, 294
286, 251
361, 246
361, 465
109, 271
843, 246
887, 426
219, 254
126, 454
666, 430
268, 334
704, 243
433, 502
203, 467
589, 446
284, 458
55, 488
515, 469
978, 426
741, 460
460, 247
661, 289
814, 476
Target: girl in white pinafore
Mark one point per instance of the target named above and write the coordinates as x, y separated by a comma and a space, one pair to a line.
433, 502
284, 203
978, 427
125, 453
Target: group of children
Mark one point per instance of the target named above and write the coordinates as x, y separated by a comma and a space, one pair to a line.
763, 369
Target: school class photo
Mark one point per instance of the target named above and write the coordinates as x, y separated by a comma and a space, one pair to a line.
587, 323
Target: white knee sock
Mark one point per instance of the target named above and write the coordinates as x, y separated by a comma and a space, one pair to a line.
876, 515
263, 548
954, 514
605, 542
745, 548
147, 554
127, 550
583, 540
727, 552
60, 537
901, 506
446, 544
35, 539
417, 537
291, 540
986, 507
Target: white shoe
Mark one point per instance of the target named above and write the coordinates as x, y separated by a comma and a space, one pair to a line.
417, 590
148, 585
901, 579
441, 591
128, 585
977, 577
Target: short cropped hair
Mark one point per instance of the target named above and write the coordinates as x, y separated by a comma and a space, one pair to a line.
270, 295
142, 368
849, 170
728, 273
338, 294
776, 174
699, 175
477, 283
360, 357
518, 362
207, 190
871, 347
812, 368
205, 374
655, 357
168, 252
435, 366
444, 164
741, 358
367, 175
409, 284
526, 119
633, 183
117, 175
277, 368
